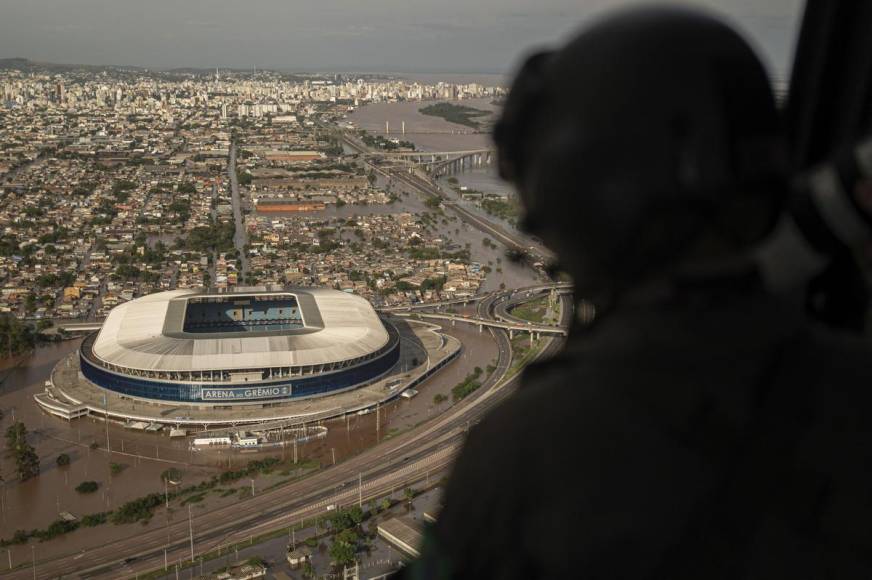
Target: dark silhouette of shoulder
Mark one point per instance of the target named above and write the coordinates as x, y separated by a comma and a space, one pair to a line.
687, 441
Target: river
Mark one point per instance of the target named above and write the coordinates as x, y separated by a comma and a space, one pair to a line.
430, 133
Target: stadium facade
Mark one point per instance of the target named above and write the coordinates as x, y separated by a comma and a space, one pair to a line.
241, 347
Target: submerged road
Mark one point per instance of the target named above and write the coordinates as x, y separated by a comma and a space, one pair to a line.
405, 460
511, 240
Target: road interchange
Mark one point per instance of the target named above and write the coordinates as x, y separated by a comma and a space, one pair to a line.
408, 459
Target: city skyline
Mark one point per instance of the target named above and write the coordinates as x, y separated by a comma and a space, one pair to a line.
265, 267
360, 220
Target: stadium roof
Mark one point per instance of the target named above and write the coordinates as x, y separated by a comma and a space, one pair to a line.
146, 334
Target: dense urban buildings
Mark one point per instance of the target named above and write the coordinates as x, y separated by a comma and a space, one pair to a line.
115, 185
234, 262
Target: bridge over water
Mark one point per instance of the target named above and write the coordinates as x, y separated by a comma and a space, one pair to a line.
441, 162
535, 330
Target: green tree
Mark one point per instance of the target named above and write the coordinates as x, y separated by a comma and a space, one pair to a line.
171, 474
355, 513
26, 459
344, 548
243, 177
123, 185
187, 187
63, 460
16, 336
345, 519
91, 520
87, 487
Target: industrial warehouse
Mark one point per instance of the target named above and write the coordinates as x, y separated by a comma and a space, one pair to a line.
200, 358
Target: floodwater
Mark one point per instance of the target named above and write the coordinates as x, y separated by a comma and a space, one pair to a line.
351, 435
449, 227
436, 134
484, 180
36, 503
428, 133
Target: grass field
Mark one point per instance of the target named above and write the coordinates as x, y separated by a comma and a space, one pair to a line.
534, 311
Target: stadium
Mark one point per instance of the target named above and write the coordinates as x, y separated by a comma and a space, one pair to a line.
241, 347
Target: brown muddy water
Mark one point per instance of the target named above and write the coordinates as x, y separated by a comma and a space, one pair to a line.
35, 503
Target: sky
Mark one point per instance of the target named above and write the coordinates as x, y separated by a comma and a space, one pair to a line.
480, 36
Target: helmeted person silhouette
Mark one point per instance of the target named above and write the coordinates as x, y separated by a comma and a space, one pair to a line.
699, 427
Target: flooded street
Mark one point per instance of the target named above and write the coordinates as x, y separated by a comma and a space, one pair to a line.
451, 229
140, 458
426, 132
35, 503
436, 134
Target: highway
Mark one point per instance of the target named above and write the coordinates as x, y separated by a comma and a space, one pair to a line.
510, 299
517, 326
502, 308
429, 153
408, 459
511, 240
405, 460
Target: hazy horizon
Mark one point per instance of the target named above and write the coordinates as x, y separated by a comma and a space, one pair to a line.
380, 36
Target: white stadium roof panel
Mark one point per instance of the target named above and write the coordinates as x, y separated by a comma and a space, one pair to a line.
343, 326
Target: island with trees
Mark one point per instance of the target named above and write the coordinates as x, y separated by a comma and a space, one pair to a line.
458, 114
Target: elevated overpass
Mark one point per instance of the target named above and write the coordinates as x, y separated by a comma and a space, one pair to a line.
439, 163
535, 330
431, 155
440, 304
504, 304
420, 180
409, 459
560, 287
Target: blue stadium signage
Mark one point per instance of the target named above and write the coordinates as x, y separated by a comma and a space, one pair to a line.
243, 393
